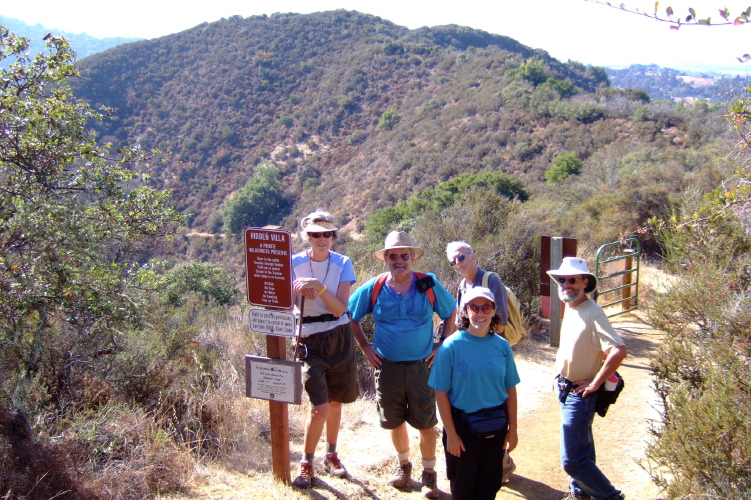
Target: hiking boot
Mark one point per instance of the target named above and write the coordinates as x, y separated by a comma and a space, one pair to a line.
402, 477
430, 484
334, 466
305, 478
577, 496
508, 468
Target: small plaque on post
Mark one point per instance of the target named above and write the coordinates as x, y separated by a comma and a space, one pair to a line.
273, 379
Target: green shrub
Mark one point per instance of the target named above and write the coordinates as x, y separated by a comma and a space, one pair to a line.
356, 137
564, 87
403, 215
389, 119
258, 203
212, 283
702, 441
563, 166
525, 149
532, 70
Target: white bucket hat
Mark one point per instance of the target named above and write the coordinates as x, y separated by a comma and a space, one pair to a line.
574, 266
399, 240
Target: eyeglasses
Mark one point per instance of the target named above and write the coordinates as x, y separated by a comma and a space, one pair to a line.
327, 234
393, 257
457, 260
571, 281
485, 308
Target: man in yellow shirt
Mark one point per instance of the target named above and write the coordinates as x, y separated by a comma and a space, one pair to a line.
587, 337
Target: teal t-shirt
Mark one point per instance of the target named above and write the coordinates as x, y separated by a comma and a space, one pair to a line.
474, 371
403, 324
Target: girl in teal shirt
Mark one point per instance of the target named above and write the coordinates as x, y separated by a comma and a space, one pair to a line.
475, 370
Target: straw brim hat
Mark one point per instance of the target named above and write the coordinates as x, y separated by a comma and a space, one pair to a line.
574, 266
399, 240
319, 227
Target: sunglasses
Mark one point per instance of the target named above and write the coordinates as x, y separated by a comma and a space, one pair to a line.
393, 257
571, 281
458, 260
327, 234
485, 308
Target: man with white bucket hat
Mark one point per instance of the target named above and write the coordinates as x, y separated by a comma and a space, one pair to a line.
587, 338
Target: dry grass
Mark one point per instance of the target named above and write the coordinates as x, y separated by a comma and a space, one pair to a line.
231, 456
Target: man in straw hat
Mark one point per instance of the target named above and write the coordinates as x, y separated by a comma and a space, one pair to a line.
587, 337
402, 303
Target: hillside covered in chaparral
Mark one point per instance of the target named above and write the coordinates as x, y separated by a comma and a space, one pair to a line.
358, 113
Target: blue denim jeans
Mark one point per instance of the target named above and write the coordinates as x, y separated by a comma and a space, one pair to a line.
578, 449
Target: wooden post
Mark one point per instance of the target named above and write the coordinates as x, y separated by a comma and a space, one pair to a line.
276, 348
628, 278
556, 306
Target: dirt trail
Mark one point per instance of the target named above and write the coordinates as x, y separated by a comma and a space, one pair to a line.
620, 437
368, 454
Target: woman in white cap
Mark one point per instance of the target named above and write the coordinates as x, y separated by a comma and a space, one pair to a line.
324, 278
475, 378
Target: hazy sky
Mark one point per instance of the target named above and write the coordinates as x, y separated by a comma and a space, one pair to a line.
568, 29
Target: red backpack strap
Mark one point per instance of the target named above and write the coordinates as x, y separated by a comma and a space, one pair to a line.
380, 280
430, 293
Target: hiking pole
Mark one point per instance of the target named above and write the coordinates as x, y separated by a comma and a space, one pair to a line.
299, 330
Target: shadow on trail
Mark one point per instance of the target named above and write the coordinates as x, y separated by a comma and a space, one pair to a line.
320, 484
641, 339
523, 487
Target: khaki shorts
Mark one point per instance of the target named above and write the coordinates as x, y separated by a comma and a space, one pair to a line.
404, 395
330, 369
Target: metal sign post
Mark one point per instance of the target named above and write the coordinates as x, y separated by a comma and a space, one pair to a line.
556, 307
552, 252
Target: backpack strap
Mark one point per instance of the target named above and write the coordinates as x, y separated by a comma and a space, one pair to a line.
430, 293
486, 278
381, 280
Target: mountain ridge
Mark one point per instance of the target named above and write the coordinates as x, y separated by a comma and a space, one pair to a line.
357, 112
283, 66
84, 44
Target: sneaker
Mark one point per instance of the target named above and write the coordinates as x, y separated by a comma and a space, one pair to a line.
334, 466
402, 477
430, 484
508, 468
305, 479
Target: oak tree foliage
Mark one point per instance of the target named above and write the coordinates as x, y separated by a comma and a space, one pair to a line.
74, 221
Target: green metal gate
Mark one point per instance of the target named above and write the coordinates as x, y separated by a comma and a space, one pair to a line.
613, 261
